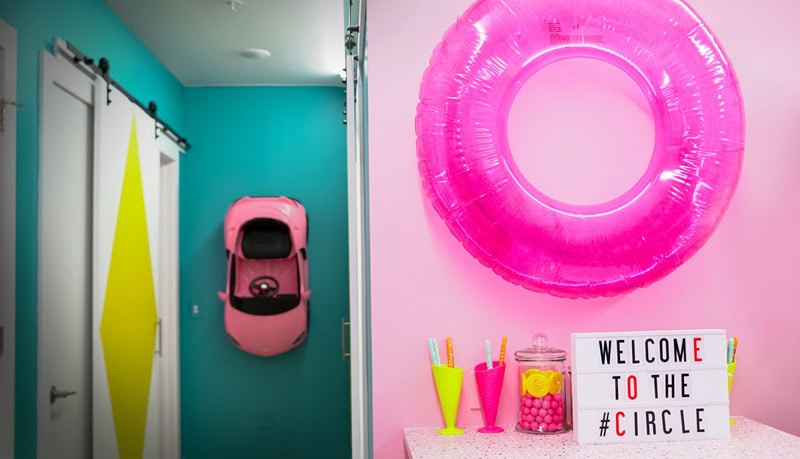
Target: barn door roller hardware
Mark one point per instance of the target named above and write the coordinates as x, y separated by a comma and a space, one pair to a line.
3, 103
103, 69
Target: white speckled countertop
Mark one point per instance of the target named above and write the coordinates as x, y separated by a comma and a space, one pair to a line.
748, 439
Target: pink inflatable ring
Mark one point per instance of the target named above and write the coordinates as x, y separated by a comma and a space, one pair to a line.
530, 239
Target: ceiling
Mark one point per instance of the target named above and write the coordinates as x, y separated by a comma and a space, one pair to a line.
200, 41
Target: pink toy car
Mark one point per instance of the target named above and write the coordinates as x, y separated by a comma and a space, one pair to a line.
266, 297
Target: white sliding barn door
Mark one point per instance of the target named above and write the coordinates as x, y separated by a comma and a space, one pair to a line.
64, 383
125, 279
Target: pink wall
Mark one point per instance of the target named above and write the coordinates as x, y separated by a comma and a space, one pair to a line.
745, 279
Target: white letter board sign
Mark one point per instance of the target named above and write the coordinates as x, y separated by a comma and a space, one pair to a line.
650, 386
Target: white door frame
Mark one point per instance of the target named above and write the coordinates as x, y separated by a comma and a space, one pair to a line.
358, 276
357, 205
169, 299
8, 221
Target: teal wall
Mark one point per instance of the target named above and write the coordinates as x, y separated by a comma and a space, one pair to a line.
263, 141
92, 27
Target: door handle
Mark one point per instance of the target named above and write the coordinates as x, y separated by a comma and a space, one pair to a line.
345, 354
158, 334
55, 394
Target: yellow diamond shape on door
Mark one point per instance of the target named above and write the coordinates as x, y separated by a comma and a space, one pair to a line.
127, 325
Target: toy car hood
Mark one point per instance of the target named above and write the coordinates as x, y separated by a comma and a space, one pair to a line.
247, 209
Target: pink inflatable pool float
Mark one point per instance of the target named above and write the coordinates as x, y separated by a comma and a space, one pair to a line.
530, 239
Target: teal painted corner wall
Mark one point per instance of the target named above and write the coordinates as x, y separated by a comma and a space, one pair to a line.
92, 27
263, 141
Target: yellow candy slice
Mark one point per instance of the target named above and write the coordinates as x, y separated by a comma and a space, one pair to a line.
556, 382
522, 389
523, 385
531, 372
537, 383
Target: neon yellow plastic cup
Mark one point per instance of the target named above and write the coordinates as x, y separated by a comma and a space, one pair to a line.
731, 371
448, 388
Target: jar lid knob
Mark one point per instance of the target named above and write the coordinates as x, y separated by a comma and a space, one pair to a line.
540, 341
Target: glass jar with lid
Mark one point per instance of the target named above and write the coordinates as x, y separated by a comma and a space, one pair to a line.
544, 377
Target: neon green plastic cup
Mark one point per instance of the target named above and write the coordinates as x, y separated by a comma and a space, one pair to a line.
731, 371
448, 388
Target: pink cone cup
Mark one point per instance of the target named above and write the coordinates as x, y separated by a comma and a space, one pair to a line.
490, 384
448, 388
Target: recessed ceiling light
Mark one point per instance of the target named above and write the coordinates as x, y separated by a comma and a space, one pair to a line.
255, 53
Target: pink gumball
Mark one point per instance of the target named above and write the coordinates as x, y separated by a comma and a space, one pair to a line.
539, 419
557, 418
553, 427
528, 402
546, 404
526, 410
560, 410
548, 419
548, 397
542, 412
529, 417
550, 411
542, 427
537, 403
525, 424
557, 397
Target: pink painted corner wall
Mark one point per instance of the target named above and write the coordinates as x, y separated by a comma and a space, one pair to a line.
424, 284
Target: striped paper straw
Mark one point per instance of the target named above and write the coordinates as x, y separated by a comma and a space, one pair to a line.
449, 352
488, 355
503, 350
730, 350
432, 351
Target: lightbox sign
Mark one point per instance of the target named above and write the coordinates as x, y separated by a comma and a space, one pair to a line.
650, 386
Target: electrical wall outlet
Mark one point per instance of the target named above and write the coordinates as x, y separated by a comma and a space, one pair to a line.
196, 313
473, 401
266, 419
